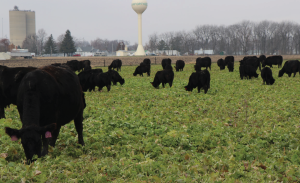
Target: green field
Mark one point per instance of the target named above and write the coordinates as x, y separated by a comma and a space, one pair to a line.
239, 131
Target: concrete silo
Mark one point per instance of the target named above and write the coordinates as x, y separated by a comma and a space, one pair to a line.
21, 24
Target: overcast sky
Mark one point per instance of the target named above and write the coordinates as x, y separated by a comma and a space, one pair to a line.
115, 19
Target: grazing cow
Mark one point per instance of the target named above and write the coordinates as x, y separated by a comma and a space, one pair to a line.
230, 66
262, 58
254, 61
115, 64
48, 98
291, 66
115, 77
200, 79
10, 79
143, 68
147, 61
74, 65
229, 59
273, 60
86, 64
87, 68
101, 80
164, 76
168, 67
247, 71
202, 62
221, 64
266, 75
179, 65
165, 62
86, 79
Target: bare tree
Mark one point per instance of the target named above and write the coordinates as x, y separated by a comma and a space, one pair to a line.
59, 40
41, 39
30, 43
4, 44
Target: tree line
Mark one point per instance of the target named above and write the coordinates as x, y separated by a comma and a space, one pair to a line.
244, 38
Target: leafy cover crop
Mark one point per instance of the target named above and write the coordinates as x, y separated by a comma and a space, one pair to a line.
240, 131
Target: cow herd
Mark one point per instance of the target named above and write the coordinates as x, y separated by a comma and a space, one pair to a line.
51, 96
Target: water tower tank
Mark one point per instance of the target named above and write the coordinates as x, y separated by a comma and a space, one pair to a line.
139, 6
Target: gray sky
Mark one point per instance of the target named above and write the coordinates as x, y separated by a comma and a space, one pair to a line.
115, 19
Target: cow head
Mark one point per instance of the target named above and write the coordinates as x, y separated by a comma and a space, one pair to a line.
188, 88
263, 64
154, 85
31, 138
272, 80
176, 69
281, 72
122, 81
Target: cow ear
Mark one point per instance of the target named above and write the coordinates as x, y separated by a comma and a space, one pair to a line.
47, 130
13, 133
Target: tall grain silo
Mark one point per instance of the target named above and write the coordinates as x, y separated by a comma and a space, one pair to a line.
21, 25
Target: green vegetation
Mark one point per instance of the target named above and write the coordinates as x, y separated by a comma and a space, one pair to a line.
239, 131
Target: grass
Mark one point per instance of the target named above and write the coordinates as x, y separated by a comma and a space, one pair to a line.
239, 131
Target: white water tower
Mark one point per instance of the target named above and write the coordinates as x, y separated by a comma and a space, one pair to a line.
139, 6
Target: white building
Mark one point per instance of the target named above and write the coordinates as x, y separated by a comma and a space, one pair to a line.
87, 51
166, 52
204, 52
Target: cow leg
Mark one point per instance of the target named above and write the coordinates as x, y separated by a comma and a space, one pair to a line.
295, 74
142, 75
170, 83
79, 127
198, 87
54, 136
108, 87
290, 74
45, 146
163, 84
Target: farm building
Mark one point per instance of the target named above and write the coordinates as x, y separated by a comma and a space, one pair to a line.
204, 52
86, 51
167, 52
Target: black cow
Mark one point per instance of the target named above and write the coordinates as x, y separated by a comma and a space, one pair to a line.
202, 62
147, 61
247, 71
115, 64
229, 59
86, 79
101, 80
48, 98
10, 79
266, 75
115, 77
165, 62
221, 64
200, 79
230, 66
291, 66
262, 58
143, 68
252, 60
164, 76
74, 65
273, 60
179, 65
